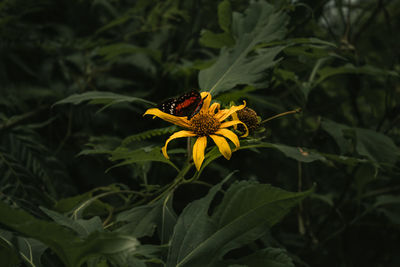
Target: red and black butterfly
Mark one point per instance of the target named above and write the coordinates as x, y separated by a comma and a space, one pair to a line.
186, 105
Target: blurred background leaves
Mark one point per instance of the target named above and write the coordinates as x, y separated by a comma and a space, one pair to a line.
80, 165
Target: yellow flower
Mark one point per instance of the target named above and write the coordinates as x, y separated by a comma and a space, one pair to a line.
209, 122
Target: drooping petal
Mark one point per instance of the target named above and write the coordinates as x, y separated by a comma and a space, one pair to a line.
230, 135
235, 118
207, 100
225, 113
198, 151
180, 121
213, 107
235, 122
179, 134
222, 145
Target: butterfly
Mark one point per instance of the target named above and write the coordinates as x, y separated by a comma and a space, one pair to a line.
186, 105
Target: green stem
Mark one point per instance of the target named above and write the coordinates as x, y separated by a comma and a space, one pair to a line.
180, 179
297, 110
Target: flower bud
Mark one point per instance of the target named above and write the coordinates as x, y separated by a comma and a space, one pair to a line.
249, 117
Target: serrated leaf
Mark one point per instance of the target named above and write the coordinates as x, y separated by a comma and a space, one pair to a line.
235, 66
243, 215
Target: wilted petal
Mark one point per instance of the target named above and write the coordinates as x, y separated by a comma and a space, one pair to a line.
222, 145
198, 151
214, 106
179, 134
180, 121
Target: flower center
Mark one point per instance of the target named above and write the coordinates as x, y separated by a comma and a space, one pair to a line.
204, 124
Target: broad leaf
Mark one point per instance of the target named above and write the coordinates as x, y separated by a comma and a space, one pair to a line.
327, 72
141, 221
246, 210
80, 226
30, 250
235, 65
375, 146
336, 131
71, 249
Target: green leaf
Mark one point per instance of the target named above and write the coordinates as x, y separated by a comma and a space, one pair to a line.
61, 240
8, 255
139, 155
327, 72
121, 249
336, 131
296, 153
246, 211
72, 250
225, 15
236, 66
376, 146
141, 221
271, 257
80, 226
123, 49
216, 40
148, 134
30, 250
387, 200
103, 98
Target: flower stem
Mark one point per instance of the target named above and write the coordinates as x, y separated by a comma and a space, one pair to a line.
297, 110
189, 148
179, 179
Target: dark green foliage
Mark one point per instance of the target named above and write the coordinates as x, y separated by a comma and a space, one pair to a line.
83, 181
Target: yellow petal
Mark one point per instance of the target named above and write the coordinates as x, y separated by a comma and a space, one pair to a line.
222, 145
179, 134
180, 121
231, 123
198, 151
207, 100
225, 113
230, 135
214, 106
235, 118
